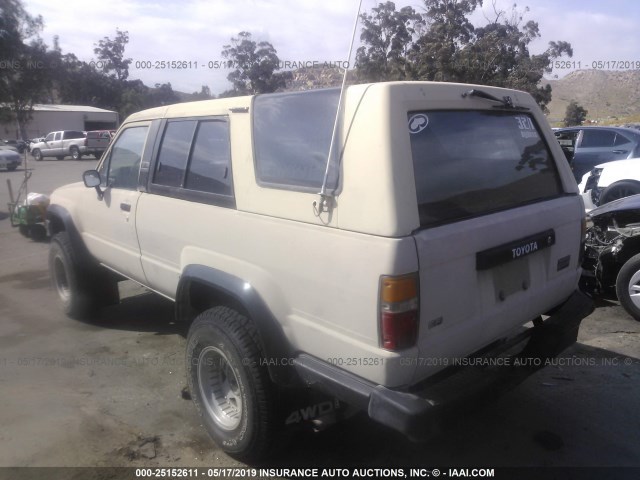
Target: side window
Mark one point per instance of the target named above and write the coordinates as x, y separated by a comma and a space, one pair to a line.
49, 137
292, 135
597, 138
621, 140
124, 161
174, 153
210, 165
58, 136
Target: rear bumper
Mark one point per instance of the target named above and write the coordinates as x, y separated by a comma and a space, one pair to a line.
417, 410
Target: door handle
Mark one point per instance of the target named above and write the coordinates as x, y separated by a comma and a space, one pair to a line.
126, 207
619, 151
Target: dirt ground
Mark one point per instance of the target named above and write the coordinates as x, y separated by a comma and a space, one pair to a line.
110, 392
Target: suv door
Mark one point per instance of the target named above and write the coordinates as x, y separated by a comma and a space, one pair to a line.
109, 221
595, 146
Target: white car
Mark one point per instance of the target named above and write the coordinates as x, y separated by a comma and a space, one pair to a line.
610, 181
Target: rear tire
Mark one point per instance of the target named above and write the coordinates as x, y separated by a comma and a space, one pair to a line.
229, 386
628, 286
624, 188
75, 153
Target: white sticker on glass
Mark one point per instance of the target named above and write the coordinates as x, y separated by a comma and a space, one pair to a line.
418, 123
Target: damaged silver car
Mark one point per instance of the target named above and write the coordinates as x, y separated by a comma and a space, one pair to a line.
612, 254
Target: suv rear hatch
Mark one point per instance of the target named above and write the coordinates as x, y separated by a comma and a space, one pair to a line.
499, 239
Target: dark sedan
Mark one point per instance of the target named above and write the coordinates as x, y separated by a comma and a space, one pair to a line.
587, 147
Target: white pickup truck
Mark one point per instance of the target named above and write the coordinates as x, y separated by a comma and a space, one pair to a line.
449, 230
61, 144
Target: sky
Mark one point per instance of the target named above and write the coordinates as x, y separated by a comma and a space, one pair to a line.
195, 31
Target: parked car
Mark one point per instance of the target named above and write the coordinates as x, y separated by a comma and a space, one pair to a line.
353, 297
595, 145
610, 181
612, 256
20, 145
98, 141
60, 144
10, 159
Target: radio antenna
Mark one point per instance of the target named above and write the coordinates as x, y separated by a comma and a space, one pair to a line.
324, 204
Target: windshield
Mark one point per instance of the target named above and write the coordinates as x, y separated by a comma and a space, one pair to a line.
470, 163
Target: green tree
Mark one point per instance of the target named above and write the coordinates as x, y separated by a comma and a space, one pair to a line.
203, 94
388, 36
256, 65
449, 48
24, 78
111, 54
437, 51
499, 55
162, 94
575, 114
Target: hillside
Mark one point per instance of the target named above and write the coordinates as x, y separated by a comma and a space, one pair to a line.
604, 94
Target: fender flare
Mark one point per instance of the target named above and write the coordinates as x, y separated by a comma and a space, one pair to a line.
276, 348
61, 214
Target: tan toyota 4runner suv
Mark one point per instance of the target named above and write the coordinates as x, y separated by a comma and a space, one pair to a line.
449, 231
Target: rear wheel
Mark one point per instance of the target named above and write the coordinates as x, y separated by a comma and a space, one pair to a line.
75, 152
624, 188
628, 286
37, 155
229, 386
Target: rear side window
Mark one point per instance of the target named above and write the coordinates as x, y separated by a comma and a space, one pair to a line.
73, 134
621, 140
194, 158
471, 163
210, 159
292, 134
597, 138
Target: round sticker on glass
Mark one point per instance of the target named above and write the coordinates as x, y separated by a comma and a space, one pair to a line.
418, 123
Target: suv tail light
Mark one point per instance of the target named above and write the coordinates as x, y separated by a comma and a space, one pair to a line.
399, 315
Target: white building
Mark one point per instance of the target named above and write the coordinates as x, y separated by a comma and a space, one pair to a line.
50, 118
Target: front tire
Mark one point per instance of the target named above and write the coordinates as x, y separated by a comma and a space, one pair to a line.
628, 286
229, 385
622, 189
81, 287
37, 155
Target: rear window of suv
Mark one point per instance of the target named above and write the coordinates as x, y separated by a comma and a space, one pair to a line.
471, 163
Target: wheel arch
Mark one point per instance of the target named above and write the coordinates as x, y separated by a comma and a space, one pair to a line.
58, 219
617, 183
203, 287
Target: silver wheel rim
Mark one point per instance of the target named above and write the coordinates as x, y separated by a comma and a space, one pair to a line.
220, 388
634, 289
60, 278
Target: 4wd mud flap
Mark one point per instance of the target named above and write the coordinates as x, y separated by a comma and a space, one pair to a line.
417, 411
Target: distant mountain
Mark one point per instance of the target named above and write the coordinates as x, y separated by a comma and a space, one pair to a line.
604, 94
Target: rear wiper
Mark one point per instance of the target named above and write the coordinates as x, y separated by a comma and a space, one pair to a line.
505, 102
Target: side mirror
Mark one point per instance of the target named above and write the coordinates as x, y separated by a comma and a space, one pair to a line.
92, 180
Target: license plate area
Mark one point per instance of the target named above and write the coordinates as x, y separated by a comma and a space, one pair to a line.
510, 278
